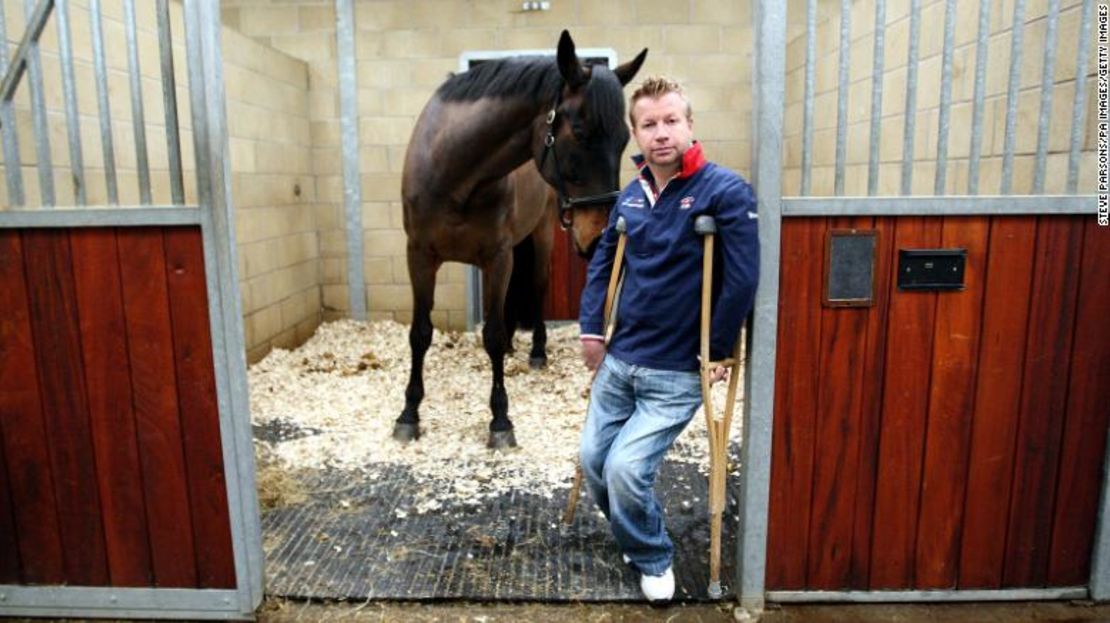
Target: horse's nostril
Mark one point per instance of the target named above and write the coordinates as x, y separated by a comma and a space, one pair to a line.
589, 252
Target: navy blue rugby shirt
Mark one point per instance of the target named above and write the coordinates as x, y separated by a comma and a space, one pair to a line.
659, 311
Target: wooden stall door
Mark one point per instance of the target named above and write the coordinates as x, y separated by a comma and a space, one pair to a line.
942, 439
111, 463
568, 277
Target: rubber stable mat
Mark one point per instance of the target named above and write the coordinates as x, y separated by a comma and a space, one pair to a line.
350, 542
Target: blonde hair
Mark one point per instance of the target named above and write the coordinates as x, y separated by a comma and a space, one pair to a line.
654, 87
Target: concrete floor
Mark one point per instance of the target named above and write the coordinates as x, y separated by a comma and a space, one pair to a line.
284, 611
275, 611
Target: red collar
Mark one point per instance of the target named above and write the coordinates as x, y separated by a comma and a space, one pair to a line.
692, 161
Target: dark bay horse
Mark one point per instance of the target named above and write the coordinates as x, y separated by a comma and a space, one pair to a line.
459, 197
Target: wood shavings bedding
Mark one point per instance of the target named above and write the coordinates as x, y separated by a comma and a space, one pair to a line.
345, 386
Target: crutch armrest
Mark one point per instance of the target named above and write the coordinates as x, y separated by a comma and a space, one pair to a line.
704, 225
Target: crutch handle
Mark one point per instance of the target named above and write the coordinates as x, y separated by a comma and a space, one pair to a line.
622, 226
705, 225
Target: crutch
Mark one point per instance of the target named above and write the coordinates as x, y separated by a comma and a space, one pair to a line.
610, 325
717, 423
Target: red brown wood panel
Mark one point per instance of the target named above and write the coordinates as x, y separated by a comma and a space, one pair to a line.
1085, 432
795, 402
1044, 400
150, 346
108, 372
577, 281
951, 398
836, 456
902, 431
53, 305
871, 407
557, 301
9, 545
200, 418
22, 427
997, 400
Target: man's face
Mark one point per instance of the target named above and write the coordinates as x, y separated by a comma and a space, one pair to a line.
662, 130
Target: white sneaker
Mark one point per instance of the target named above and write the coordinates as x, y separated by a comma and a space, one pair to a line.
658, 587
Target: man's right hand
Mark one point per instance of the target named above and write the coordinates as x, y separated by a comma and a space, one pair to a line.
593, 351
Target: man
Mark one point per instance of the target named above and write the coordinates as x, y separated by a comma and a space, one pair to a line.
647, 385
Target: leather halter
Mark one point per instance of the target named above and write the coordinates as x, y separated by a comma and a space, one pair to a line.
566, 202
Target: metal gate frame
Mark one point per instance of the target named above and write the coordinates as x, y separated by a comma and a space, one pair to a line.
769, 88
214, 215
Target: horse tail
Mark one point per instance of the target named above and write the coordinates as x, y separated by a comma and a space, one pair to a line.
521, 307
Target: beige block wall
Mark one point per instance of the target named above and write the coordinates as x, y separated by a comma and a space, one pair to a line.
273, 188
405, 49
275, 193
927, 117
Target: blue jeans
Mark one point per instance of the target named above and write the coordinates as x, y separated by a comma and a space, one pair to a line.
635, 415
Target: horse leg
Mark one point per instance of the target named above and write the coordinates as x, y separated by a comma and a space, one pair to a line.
422, 272
496, 273
543, 238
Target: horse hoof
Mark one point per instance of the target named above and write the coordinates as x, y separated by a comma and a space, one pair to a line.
501, 439
406, 432
537, 363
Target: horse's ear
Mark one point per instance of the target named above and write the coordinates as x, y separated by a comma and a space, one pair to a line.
627, 71
569, 66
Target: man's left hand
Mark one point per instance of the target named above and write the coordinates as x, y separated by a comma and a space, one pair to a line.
718, 373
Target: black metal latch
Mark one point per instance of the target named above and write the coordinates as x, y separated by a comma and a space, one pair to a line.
931, 269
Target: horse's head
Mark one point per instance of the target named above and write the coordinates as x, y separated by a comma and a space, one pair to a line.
580, 140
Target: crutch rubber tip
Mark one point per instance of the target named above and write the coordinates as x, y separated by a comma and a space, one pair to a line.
705, 224
622, 226
714, 590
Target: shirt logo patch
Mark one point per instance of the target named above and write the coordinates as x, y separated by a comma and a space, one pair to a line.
686, 203
633, 202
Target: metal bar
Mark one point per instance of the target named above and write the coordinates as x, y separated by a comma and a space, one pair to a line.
981, 50
169, 101
473, 297
1016, 34
878, 51
101, 71
138, 122
352, 184
80, 216
38, 102
13, 167
937, 206
1100, 555
238, 448
1016, 594
911, 98
759, 383
941, 177
36, 21
69, 93
1046, 96
140, 603
810, 79
1079, 107
842, 94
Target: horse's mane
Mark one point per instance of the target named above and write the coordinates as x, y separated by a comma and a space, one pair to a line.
532, 77
537, 79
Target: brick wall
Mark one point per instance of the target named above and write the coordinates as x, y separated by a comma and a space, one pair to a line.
927, 117
405, 49
273, 188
